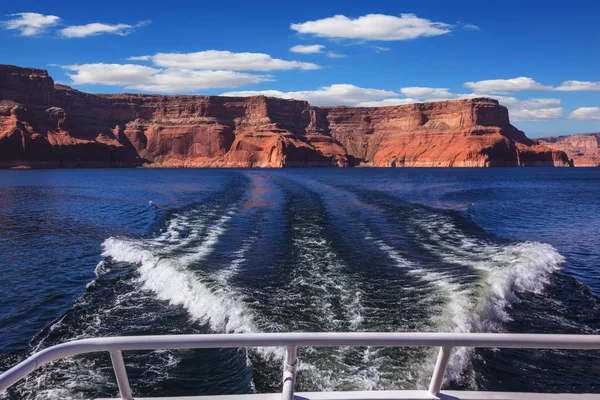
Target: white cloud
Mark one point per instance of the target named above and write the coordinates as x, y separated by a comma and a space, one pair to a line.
541, 114
175, 72
110, 74
338, 94
333, 54
535, 109
170, 80
586, 114
426, 92
524, 83
471, 27
182, 80
576, 86
225, 60
307, 49
30, 24
373, 27
535, 103
148, 79
379, 49
387, 102
96, 28
140, 58
506, 85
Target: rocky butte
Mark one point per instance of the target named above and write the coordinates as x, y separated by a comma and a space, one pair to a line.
583, 149
43, 125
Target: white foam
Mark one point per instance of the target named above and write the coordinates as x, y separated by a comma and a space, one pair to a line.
457, 316
66, 378
322, 280
505, 271
163, 264
183, 229
323, 274
100, 269
171, 280
500, 272
240, 257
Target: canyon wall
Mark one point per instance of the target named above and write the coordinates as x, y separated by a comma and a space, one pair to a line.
583, 149
48, 125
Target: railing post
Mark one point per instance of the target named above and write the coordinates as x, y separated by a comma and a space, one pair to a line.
289, 373
121, 374
439, 371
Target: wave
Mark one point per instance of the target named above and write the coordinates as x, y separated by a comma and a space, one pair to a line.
505, 270
483, 281
470, 289
81, 377
454, 315
164, 270
169, 277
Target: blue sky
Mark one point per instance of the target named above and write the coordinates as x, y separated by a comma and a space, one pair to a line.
539, 59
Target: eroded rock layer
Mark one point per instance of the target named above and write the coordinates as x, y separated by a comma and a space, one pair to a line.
583, 149
48, 125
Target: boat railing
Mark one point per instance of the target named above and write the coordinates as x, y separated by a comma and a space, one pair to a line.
291, 342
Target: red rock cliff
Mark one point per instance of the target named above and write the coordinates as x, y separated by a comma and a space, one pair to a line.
583, 149
47, 125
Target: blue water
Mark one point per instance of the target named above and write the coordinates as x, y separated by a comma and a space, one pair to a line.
87, 253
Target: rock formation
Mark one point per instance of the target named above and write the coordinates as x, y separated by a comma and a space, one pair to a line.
48, 125
583, 149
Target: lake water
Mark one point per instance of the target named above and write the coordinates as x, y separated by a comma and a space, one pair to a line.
89, 253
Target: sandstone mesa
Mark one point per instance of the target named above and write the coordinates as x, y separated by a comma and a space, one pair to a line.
43, 125
583, 149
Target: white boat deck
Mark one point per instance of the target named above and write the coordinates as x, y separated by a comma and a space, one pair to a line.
292, 341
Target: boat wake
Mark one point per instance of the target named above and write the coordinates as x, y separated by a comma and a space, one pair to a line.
171, 277
466, 282
291, 256
477, 280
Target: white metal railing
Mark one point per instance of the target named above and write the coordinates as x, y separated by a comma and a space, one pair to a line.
291, 341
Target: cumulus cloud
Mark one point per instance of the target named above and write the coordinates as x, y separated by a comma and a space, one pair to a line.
506, 85
525, 83
333, 54
579, 86
96, 28
534, 103
387, 102
307, 49
379, 49
373, 27
110, 74
30, 24
419, 94
427, 92
338, 94
541, 114
351, 95
534, 109
139, 58
143, 78
267, 93
586, 114
224, 60
169, 76
184, 72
